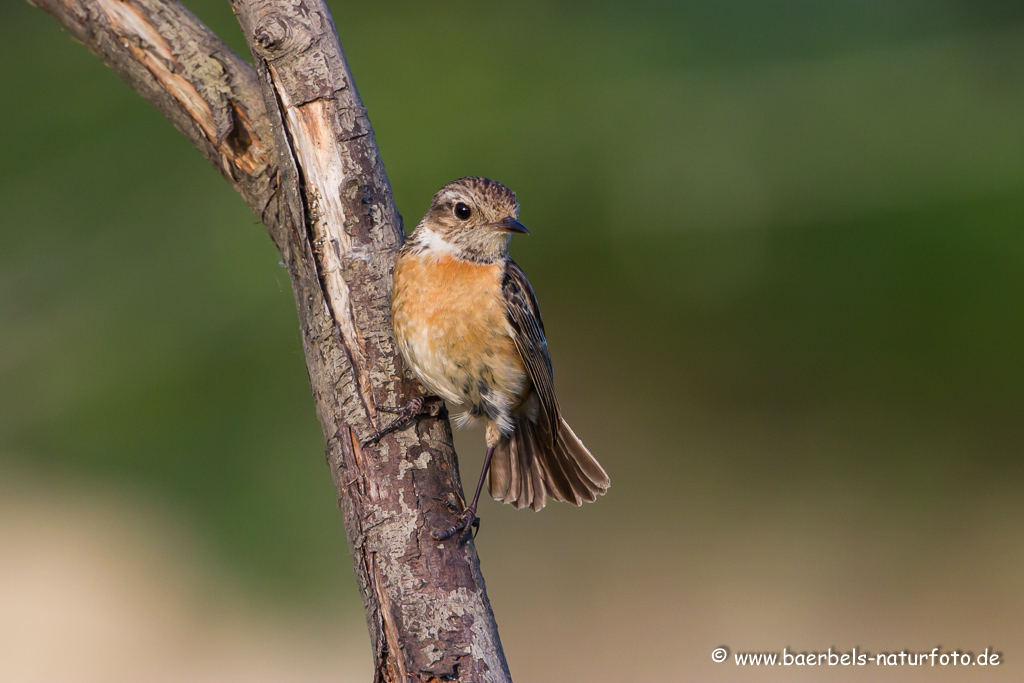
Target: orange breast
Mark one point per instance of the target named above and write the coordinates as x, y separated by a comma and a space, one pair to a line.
450, 322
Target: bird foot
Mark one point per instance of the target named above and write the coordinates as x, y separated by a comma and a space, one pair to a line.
466, 520
421, 406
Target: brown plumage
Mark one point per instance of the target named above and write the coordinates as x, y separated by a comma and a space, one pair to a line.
468, 324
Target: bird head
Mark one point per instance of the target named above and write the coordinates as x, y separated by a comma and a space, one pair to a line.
472, 218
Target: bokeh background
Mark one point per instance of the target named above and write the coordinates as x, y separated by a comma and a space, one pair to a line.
779, 247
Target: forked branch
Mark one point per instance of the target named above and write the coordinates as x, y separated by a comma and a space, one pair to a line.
293, 138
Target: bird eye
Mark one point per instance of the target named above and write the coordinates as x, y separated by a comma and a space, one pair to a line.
462, 212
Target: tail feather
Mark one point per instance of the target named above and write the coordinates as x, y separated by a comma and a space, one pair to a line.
558, 482
503, 479
500, 478
530, 466
511, 479
522, 453
593, 476
564, 479
538, 480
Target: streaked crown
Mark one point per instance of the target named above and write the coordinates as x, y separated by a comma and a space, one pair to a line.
489, 199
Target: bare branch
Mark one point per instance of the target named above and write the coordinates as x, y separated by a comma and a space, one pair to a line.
207, 91
293, 138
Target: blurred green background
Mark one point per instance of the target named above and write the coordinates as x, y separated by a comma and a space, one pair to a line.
779, 247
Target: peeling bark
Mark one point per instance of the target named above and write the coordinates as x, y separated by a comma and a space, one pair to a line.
293, 138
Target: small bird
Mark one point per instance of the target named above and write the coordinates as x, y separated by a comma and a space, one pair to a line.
468, 325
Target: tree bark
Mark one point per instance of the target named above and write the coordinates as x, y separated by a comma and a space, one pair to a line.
293, 138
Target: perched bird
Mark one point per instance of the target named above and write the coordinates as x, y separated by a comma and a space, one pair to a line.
468, 325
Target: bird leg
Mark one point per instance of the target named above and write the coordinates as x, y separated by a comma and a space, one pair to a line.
421, 406
467, 518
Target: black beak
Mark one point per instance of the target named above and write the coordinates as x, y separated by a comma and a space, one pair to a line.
511, 225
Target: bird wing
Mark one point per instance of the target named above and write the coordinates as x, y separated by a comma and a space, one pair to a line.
528, 334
